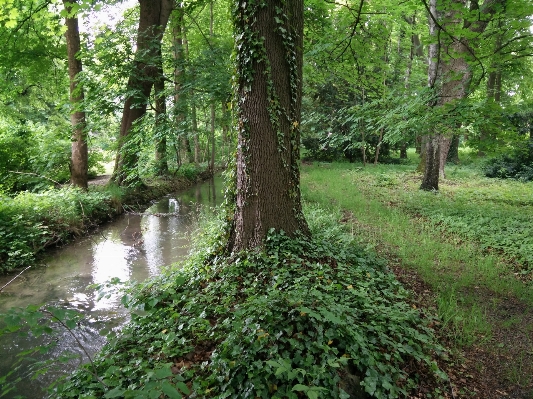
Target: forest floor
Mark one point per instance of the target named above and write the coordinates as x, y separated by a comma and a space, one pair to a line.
484, 304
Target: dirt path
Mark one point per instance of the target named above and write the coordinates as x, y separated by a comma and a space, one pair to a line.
100, 180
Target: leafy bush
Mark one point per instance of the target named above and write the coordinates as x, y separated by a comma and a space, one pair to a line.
516, 166
30, 222
320, 318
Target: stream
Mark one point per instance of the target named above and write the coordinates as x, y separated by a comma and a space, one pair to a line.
133, 247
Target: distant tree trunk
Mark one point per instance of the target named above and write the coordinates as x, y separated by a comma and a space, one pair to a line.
194, 129
154, 15
79, 157
494, 87
269, 114
212, 135
376, 158
403, 151
180, 97
431, 170
453, 154
212, 139
161, 164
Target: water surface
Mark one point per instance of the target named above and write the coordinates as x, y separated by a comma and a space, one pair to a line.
134, 247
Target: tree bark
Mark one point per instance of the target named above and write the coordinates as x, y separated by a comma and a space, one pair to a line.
432, 163
154, 15
79, 160
453, 153
269, 73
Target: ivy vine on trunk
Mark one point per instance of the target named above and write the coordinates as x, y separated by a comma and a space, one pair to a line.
269, 37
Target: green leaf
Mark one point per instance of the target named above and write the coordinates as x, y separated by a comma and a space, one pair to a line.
183, 387
170, 391
300, 388
115, 393
163, 372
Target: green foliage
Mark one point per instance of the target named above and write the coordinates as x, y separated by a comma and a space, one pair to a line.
30, 222
497, 217
293, 317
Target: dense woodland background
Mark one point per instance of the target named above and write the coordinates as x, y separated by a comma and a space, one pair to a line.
367, 94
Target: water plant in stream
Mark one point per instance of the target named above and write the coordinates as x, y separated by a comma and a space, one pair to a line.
318, 318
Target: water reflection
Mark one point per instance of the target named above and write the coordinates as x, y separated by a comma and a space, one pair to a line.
133, 247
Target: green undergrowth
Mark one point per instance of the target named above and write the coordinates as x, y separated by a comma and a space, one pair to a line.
31, 222
320, 318
469, 242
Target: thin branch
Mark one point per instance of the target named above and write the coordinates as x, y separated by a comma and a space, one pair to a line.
14, 278
79, 344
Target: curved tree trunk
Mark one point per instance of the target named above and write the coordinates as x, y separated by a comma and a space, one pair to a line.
79, 157
269, 113
154, 15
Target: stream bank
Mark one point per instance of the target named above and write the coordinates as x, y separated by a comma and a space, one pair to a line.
30, 223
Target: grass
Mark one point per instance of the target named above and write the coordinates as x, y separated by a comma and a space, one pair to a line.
471, 242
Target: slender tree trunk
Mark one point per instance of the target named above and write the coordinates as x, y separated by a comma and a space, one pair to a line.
180, 97
212, 136
431, 171
154, 15
403, 151
79, 157
269, 114
161, 164
376, 158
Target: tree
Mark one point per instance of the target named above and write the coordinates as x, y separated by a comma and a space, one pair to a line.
79, 156
153, 19
269, 39
450, 72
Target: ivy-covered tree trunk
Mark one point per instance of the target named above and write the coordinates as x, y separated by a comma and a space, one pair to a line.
154, 15
269, 77
79, 156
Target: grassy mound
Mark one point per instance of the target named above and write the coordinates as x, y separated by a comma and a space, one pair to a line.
300, 318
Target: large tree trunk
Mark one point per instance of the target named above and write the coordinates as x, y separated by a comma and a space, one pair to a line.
269, 114
154, 15
79, 157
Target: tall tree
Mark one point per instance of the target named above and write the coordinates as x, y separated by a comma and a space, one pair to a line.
450, 71
269, 86
154, 15
79, 157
